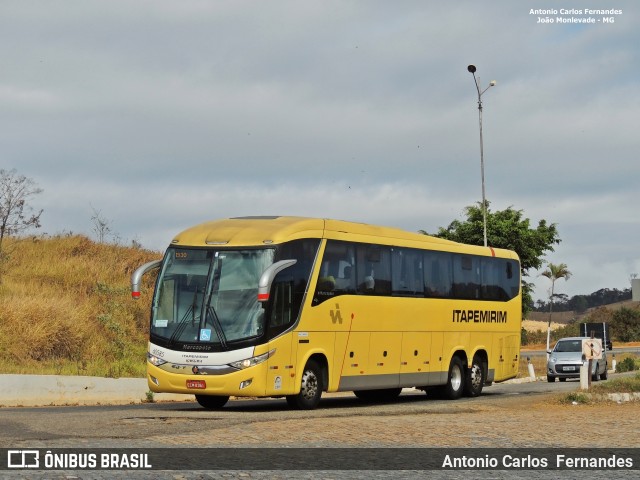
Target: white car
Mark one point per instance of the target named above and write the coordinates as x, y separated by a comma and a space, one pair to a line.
566, 359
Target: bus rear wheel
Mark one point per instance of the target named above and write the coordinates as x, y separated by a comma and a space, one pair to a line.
311, 387
212, 402
475, 377
455, 380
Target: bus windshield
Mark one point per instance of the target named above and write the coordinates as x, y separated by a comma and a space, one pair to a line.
209, 296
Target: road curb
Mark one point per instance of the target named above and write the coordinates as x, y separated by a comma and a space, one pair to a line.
620, 397
43, 390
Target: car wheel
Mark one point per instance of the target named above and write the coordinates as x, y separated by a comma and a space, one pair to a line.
551, 379
604, 374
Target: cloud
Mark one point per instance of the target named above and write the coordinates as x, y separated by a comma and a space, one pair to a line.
163, 114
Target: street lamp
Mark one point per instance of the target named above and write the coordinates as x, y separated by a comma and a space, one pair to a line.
472, 69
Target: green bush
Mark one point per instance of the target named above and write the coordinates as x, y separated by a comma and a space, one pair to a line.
627, 364
575, 397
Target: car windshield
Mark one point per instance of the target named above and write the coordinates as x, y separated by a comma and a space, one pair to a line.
569, 346
209, 296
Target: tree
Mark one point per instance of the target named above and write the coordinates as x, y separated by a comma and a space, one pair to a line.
101, 226
506, 229
625, 324
553, 273
16, 214
579, 303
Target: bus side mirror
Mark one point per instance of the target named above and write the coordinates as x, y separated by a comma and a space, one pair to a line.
266, 279
137, 276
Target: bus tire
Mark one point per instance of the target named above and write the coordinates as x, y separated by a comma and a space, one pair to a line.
381, 395
455, 380
212, 402
311, 388
474, 378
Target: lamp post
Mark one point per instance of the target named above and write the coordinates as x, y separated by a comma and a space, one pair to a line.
472, 69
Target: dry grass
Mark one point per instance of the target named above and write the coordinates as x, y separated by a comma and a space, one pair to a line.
556, 317
65, 307
539, 363
538, 325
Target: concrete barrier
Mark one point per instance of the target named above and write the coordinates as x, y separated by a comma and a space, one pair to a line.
42, 390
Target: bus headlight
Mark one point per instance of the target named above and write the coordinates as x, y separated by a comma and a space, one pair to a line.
250, 362
155, 360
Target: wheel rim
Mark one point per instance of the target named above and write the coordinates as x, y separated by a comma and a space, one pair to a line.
309, 387
476, 376
456, 378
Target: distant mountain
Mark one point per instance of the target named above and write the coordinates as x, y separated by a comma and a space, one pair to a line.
582, 303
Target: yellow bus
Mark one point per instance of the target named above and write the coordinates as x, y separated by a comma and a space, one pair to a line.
293, 307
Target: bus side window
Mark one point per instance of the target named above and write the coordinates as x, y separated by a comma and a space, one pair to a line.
466, 277
345, 281
512, 281
281, 313
373, 269
500, 279
337, 275
492, 273
406, 273
438, 278
289, 287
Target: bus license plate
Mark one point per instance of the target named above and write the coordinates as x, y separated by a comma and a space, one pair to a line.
197, 384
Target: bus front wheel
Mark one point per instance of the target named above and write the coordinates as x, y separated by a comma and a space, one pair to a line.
212, 402
310, 388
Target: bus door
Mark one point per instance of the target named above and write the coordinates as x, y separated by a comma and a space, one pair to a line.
334, 312
281, 315
281, 365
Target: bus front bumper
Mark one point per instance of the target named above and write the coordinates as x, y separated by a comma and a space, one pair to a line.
249, 382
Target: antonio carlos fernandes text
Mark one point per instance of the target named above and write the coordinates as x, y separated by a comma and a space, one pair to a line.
531, 461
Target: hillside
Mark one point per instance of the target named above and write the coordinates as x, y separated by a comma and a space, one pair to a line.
66, 308
567, 317
622, 317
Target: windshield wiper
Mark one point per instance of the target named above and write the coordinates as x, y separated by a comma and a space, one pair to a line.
185, 318
217, 326
215, 321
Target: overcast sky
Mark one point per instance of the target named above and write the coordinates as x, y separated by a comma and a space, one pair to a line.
163, 114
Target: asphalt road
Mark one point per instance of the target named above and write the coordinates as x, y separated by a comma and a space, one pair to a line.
340, 420
109, 426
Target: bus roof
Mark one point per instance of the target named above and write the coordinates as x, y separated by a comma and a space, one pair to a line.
267, 230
